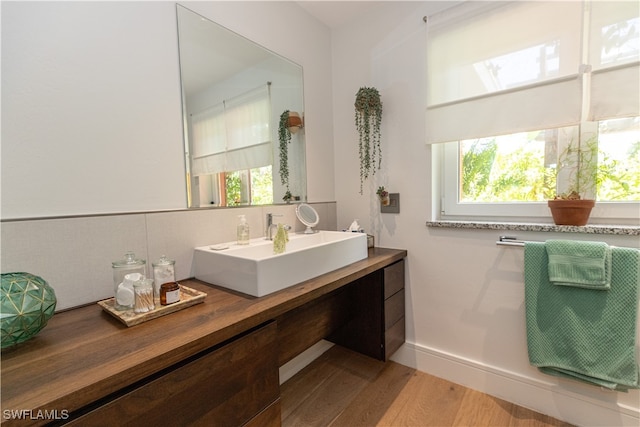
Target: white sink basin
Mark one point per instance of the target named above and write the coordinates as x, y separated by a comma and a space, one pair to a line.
255, 270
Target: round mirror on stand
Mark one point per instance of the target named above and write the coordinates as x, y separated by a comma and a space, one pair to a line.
308, 216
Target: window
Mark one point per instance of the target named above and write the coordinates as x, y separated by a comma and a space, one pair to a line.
243, 187
521, 91
231, 146
247, 187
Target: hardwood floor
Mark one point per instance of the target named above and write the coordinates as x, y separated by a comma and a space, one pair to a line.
343, 388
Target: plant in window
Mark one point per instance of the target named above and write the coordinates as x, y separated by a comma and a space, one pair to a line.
578, 162
368, 117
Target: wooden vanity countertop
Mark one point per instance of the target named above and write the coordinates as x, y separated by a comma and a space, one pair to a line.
85, 354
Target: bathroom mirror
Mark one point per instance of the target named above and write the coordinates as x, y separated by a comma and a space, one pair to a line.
234, 92
308, 216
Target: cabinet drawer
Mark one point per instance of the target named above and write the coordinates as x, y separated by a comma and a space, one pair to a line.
394, 338
393, 278
228, 385
393, 309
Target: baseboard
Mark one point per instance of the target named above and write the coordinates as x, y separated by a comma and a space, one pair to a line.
554, 398
299, 362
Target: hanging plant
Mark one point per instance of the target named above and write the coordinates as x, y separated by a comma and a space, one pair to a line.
284, 135
368, 119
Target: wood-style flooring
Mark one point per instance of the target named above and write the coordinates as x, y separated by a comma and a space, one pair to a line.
344, 388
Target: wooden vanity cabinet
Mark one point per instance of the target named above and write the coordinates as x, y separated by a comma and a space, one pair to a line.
377, 323
235, 383
220, 363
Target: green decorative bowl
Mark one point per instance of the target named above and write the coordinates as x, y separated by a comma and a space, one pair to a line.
27, 302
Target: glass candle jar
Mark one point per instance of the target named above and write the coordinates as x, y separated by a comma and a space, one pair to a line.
128, 265
169, 293
163, 272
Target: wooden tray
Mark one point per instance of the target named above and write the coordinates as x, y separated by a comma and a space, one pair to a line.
188, 297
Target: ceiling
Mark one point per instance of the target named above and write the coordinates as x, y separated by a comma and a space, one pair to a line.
336, 13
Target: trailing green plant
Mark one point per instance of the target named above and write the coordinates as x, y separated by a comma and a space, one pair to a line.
368, 118
284, 136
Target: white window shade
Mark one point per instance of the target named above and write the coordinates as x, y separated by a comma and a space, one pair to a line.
556, 104
234, 136
614, 55
247, 117
499, 68
208, 132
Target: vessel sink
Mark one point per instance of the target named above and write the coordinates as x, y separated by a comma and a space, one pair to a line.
255, 270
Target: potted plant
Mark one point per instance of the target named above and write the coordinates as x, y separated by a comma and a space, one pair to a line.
284, 136
578, 164
368, 117
383, 195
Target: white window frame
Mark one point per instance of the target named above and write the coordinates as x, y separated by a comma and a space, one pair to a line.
450, 208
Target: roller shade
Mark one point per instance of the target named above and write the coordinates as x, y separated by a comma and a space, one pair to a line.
234, 135
501, 68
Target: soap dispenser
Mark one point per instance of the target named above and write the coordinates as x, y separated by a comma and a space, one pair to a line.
243, 231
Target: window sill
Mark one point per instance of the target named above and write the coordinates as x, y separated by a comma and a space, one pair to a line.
627, 230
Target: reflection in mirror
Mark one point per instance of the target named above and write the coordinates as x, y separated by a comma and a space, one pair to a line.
234, 92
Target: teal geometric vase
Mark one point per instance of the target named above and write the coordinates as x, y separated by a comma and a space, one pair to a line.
27, 302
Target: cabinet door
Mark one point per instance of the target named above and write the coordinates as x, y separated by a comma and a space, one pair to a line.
226, 386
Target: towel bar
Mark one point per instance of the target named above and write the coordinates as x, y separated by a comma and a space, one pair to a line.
509, 241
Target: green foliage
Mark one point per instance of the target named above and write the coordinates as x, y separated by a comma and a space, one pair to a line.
477, 163
619, 180
368, 118
233, 184
261, 186
491, 175
284, 136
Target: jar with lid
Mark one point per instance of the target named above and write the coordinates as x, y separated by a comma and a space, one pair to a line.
128, 265
143, 290
163, 272
169, 293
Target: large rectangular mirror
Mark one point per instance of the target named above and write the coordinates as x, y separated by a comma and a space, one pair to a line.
235, 93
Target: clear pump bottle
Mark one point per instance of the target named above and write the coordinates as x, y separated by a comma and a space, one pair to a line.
243, 231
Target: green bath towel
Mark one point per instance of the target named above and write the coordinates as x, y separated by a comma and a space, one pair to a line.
581, 264
584, 334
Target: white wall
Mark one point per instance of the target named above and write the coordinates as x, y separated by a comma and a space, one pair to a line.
465, 295
91, 123
91, 117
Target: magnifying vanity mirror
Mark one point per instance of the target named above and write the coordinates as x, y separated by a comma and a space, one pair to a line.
308, 216
234, 92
